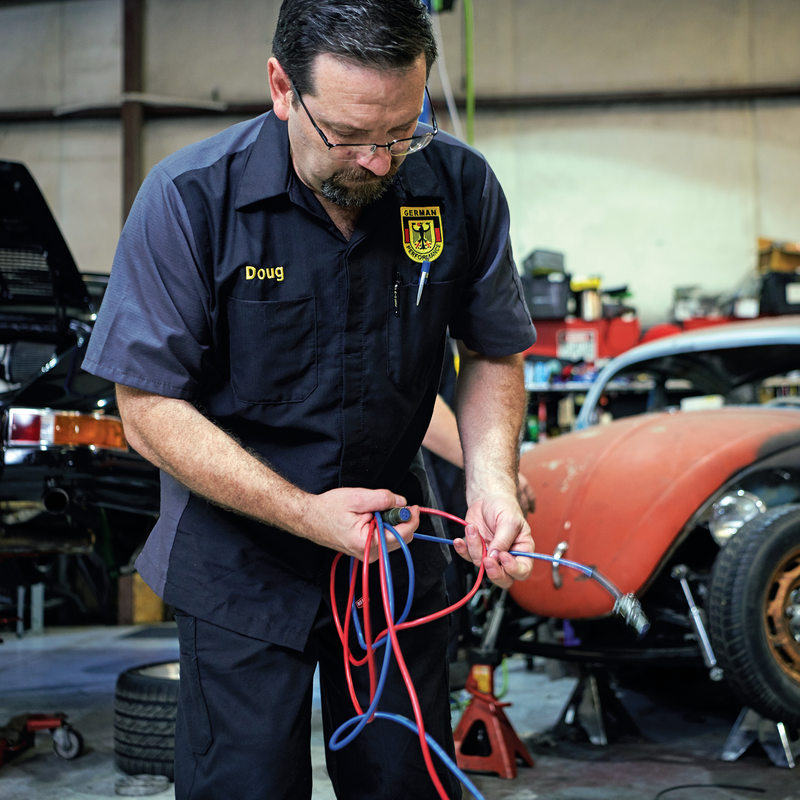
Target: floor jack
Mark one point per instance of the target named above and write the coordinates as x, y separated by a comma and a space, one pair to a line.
484, 739
19, 734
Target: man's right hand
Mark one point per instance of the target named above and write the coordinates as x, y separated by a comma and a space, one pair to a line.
340, 519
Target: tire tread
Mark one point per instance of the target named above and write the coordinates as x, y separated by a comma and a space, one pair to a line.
749, 670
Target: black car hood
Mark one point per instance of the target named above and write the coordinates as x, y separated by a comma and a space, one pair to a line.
38, 275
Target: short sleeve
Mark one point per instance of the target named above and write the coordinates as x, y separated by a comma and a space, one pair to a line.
153, 330
493, 318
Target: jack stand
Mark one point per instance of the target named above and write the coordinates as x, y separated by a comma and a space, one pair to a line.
485, 728
772, 736
595, 709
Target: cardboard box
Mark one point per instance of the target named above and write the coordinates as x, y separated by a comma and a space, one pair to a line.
137, 602
778, 256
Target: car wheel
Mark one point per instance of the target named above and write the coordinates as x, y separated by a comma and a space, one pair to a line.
145, 705
754, 613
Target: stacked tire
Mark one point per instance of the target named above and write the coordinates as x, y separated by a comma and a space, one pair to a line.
145, 706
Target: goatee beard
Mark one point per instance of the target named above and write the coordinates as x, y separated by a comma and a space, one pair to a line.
357, 187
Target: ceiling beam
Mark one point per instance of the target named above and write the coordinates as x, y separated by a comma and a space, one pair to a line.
730, 94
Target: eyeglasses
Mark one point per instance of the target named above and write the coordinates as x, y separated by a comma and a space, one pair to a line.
422, 137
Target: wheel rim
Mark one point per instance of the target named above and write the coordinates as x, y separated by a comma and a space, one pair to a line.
782, 615
170, 670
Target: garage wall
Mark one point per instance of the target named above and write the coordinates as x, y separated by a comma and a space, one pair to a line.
653, 196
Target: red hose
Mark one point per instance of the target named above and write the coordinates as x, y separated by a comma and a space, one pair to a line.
392, 629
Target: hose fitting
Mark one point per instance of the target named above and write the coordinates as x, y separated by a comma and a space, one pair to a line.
630, 609
396, 516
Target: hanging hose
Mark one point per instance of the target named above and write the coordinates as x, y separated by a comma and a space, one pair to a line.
626, 605
444, 77
469, 60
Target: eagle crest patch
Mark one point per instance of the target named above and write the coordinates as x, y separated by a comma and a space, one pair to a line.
422, 232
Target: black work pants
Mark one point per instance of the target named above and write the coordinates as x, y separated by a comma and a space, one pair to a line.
244, 713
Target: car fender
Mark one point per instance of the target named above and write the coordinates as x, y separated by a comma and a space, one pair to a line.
620, 494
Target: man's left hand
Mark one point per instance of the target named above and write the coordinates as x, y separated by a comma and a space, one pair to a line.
498, 520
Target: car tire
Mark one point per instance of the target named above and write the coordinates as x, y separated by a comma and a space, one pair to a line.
753, 592
145, 706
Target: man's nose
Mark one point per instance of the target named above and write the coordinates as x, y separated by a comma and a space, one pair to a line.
379, 162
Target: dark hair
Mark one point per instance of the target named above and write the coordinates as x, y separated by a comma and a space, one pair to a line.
383, 34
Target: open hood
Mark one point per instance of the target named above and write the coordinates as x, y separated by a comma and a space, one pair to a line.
37, 272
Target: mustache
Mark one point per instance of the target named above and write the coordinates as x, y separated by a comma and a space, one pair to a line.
361, 175
355, 186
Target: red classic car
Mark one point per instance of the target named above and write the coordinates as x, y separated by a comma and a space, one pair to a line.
691, 501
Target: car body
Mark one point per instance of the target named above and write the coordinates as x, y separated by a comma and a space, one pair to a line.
69, 483
689, 500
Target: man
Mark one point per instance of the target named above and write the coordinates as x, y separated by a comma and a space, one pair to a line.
274, 358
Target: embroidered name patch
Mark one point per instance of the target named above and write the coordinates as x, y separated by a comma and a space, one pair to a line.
422, 232
263, 273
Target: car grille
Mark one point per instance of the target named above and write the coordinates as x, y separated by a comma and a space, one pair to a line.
24, 273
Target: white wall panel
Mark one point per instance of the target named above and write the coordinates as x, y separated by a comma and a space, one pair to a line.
649, 198
776, 56
543, 46
163, 137
30, 55
52, 54
777, 131
205, 48
92, 56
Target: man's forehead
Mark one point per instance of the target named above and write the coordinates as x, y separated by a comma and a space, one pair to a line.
346, 69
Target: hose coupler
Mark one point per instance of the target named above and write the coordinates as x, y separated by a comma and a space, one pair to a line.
396, 516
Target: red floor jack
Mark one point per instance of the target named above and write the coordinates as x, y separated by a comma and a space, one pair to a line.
18, 735
484, 738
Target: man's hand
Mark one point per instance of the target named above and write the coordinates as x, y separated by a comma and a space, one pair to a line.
497, 520
341, 518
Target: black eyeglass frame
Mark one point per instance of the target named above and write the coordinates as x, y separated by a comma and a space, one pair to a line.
429, 136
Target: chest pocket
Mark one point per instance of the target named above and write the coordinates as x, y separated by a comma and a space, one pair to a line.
414, 332
273, 349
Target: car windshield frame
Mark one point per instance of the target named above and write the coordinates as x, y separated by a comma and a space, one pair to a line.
687, 347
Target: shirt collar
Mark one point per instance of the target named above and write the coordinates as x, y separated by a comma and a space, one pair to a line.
269, 171
418, 178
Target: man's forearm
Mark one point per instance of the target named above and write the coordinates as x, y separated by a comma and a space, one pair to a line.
442, 437
490, 406
177, 438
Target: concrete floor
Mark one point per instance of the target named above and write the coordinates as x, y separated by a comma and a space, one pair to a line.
683, 728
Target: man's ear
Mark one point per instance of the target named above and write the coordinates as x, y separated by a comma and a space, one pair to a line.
279, 88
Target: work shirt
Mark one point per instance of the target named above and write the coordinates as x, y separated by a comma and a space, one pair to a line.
233, 290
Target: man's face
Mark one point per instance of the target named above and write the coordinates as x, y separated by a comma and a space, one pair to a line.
354, 105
